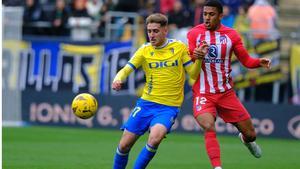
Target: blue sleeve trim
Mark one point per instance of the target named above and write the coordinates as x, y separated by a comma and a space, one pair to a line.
188, 62
131, 65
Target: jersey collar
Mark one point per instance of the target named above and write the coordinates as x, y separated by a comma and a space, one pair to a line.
163, 45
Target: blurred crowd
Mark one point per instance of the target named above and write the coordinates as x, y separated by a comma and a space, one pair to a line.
57, 17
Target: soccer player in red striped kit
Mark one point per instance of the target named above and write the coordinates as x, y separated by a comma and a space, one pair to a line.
213, 92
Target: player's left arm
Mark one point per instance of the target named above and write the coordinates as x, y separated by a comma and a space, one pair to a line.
244, 57
192, 68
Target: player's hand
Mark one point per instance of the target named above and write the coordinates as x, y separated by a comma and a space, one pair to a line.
201, 50
117, 85
265, 62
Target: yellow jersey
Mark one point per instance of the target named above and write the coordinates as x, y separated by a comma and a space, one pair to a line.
164, 70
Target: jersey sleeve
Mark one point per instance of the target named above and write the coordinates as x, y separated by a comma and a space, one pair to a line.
192, 68
123, 73
186, 59
191, 42
134, 63
242, 54
137, 59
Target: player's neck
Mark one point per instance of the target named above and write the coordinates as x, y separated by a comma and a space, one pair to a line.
162, 45
216, 28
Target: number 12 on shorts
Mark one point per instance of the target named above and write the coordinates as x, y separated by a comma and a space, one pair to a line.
200, 100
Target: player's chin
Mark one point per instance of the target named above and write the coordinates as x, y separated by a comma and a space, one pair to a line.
208, 27
153, 43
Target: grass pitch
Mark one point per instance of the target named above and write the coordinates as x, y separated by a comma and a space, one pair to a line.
74, 148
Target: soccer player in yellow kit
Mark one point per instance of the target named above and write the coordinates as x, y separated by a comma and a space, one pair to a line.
164, 62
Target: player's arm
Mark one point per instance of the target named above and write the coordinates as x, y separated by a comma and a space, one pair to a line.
244, 57
191, 42
192, 68
133, 64
121, 76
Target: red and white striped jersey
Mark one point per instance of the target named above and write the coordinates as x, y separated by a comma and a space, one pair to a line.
216, 66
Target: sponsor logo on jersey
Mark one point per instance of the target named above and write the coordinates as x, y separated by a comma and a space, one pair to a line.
213, 51
212, 55
151, 53
163, 64
213, 60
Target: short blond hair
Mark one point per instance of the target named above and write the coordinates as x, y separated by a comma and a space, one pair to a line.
157, 18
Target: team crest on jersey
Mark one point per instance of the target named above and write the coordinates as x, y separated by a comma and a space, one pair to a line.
223, 39
213, 51
172, 50
151, 53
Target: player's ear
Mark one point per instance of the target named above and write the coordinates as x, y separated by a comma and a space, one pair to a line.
165, 29
221, 15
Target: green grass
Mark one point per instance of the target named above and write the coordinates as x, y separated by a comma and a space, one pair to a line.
69, 148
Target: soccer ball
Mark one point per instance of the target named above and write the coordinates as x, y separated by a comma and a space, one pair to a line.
84, 105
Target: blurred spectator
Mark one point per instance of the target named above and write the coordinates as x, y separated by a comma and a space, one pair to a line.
32, 14
110, 5
178, 16
107, 6
241, 25
32, 11
79, 8
247, 3
93, 8
179, 21
148, 8
198, 12
80, 21
233, 5
228, 17
128, 5
13, 2
263, 19
187, 3
60, 18
166, 6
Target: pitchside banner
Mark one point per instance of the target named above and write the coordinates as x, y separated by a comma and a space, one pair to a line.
295, 73
49, 108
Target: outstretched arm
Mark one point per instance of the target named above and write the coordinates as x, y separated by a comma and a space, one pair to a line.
265, 62
245, 58
120, 77
250, 62
132, 65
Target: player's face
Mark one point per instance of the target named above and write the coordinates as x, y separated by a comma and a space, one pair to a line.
157, 34
212, 18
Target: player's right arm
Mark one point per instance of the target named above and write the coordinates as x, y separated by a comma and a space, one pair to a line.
191, 43
121, 76
134, 63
